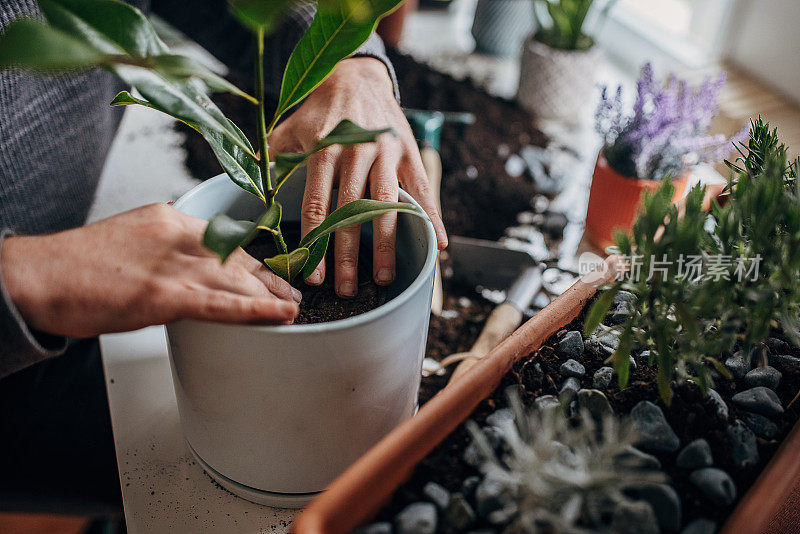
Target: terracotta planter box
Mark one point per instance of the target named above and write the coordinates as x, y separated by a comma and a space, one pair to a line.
614, 201
359, 493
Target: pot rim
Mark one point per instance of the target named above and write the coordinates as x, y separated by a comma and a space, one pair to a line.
350, 322
531, 41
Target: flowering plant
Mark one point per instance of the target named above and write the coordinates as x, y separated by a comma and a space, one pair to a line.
667, 131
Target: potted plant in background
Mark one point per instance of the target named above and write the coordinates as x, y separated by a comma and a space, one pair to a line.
500, 26
664, 136
273, 413
563, 462
560, 58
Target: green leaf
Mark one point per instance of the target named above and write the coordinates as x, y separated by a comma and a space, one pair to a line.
29, 44
272, 217
239, 166
356, 212
182, 68
333, 36
345, 133
257, 14
287, 266
224, 234
316, 255
598, 311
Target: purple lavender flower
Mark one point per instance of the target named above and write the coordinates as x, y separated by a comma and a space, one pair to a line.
667, 131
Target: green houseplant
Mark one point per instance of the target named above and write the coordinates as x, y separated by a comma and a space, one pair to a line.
109, 34
242, 389
559, 58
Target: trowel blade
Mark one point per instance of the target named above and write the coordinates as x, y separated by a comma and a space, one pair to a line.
486, 263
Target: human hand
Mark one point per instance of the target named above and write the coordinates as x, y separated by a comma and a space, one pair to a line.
360, 90
144, 267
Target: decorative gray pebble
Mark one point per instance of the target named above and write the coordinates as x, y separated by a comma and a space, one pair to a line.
622, 307
742, 441
488, 496
695, 455
437, 494
472, 456
572, 368
593, 401
568, 389
759, 400
623, 297
459, 514
700, 526
785, 360
654, 433
632, 362
602, 378
499, 417
416, 518
719, 404
716, 484
738, 364
666, 505
644, 355
634, 517
760, 425
609, 341
638, 459
777, 346
767, 376
571, 344
547, 401
375, 528
515, 166
493, 436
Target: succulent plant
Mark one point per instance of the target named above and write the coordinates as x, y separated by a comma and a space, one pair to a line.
561, 474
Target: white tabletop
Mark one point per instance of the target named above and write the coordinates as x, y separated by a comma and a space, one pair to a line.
163, 488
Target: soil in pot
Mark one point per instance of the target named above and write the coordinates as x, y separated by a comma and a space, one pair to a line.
320, 303
691, 415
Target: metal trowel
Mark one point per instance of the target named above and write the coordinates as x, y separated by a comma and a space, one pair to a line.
477, 262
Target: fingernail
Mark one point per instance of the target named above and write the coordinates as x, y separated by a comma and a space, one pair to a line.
316, 278
296, 295
346, 289
384, 276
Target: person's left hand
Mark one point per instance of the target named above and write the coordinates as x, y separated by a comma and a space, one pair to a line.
359, 89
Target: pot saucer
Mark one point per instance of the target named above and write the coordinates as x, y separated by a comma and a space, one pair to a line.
267, 498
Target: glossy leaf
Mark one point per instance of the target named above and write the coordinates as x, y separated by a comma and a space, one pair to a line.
287, 266
333, 36
316, 255
272, 217
224, 234
345, 133
239, 166
182, 68
356, 212
31, 45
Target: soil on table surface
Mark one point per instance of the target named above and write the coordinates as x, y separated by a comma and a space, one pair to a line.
691, 414
321, 304
479, 199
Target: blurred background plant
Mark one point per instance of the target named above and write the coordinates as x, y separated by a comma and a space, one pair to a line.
667, 130
563, 24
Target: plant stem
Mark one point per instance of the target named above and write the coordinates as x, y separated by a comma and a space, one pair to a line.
263, 162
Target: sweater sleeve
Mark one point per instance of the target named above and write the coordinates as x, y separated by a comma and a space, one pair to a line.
216, 30
21, 346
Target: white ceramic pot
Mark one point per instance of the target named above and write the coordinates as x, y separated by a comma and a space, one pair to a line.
275, 413
557, 84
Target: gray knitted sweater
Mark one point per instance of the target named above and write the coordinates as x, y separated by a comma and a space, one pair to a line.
55, 132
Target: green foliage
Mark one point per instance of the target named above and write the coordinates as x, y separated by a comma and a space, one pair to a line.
567, 19
747, 269
110, 34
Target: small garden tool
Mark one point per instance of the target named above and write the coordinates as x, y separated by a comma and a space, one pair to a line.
427, 128
493, 265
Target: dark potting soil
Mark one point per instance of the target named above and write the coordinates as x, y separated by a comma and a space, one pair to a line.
320, 303
691, 414
478, 198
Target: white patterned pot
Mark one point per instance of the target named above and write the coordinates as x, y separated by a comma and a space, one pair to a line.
500, 26
275, 413
557, 84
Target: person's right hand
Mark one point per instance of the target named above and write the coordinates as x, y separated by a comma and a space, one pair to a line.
144, 267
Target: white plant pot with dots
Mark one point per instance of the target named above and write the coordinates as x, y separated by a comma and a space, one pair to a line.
275, 413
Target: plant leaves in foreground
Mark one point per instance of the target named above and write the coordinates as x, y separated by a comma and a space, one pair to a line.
224, 234
287, 266
316, 255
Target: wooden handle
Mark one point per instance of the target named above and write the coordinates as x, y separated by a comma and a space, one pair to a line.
433, 168
502, 322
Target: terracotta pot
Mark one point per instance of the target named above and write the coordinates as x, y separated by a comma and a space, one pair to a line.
359, 492
614, 201
770, 506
